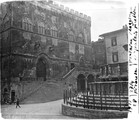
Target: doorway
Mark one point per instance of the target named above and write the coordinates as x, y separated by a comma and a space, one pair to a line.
72, 65
81, 83
90, 79
12, 96
42, 68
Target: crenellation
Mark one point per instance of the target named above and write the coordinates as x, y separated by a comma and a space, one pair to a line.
62, 7
72, 11
76, 13
66, 9
50, 1
54, 3
85, 16
81, 14
57, 5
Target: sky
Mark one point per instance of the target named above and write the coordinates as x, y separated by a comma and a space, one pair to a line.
106, 15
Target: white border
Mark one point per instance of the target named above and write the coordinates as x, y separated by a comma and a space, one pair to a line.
133, 47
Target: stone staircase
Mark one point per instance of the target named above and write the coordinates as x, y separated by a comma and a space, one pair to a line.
51, 89
29, 87
48, 91
70, 78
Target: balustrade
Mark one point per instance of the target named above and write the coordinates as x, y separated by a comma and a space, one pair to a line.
114, 69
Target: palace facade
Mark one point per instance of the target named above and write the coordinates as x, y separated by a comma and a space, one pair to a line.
41, 39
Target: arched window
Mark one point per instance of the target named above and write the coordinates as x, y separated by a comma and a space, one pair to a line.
54, 31
71, 36
85, 36
63, 34
41, 28
80, 38
48, 30
27, 24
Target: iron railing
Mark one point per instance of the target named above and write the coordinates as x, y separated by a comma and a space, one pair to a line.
91, 100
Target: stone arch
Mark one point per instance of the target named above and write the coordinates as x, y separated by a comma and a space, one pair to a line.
63, 33
54, 31
71, 35
13, 95
80, 37
5, 95
53, 27
42, 67
47, 29
81, 82
90, 78
82, 61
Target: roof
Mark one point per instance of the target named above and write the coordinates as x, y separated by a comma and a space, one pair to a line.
113, 32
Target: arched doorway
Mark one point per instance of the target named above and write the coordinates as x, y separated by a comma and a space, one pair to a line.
81, 83
90, 79
5, 95
12, 96
42, 68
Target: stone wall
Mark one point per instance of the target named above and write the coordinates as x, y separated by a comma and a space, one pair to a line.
44, 28
22, 89
92, 113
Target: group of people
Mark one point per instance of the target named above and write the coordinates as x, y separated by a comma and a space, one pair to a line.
16, 101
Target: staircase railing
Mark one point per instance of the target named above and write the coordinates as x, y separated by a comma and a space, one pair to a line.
68, 74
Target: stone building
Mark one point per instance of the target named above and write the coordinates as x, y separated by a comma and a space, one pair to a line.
116, 52
42, 40
99, 53
114, 74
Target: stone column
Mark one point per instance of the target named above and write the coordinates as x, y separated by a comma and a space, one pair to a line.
105, 70
118, 69
101, 71
86, 83
109, 69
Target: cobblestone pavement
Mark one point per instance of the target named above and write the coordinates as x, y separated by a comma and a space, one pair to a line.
49, 110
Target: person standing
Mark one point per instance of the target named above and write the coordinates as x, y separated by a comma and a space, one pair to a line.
17, 103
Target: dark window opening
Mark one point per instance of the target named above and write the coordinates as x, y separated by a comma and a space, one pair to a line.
72, 65
115, 56
113, 41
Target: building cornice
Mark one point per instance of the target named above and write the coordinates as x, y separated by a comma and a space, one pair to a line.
113, 32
